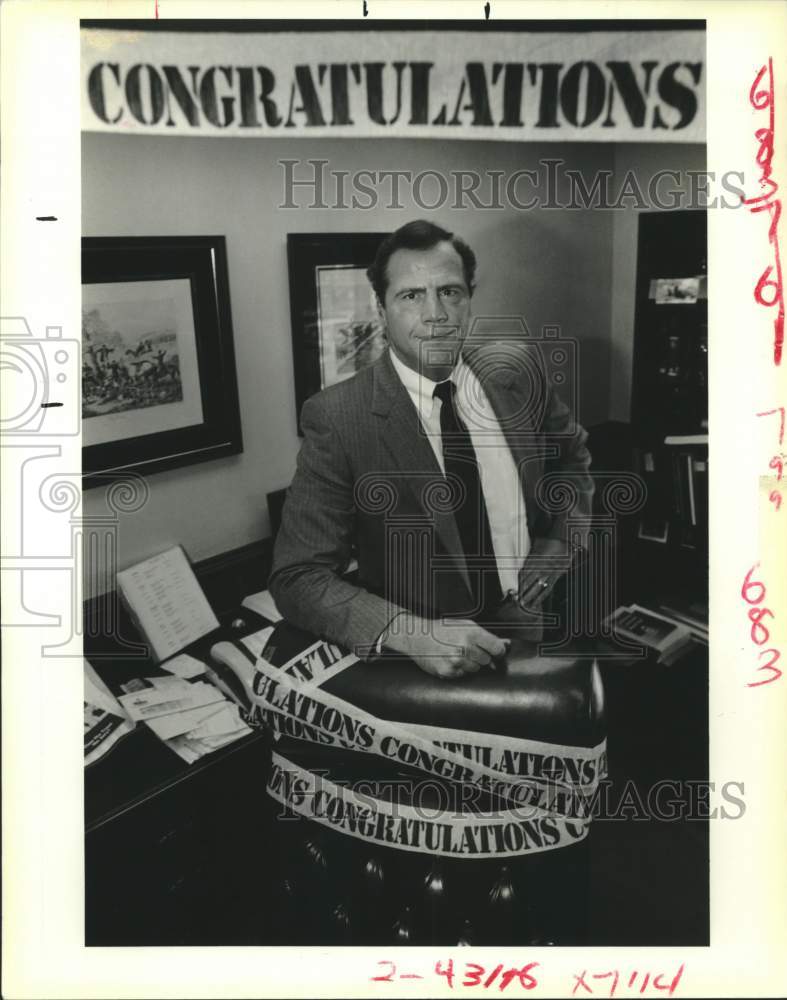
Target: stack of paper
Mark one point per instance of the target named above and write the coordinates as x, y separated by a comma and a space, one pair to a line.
184, 666
263, 604
165, 599
217, 730
191, 717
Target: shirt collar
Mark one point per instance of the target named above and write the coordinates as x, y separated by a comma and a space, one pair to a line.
419, 387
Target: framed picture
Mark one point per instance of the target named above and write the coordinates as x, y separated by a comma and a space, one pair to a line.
335, 328
159, 388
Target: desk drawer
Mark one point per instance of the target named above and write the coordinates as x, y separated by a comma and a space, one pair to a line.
182, 866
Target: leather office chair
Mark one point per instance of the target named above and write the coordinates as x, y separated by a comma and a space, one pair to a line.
338, 889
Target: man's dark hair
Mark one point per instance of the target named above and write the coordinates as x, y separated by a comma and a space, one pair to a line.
417, 235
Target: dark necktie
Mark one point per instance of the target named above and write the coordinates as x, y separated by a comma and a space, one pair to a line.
472, 521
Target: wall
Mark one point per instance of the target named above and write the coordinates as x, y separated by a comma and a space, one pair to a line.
558, 267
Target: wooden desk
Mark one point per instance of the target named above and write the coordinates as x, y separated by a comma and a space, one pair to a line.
183, 861
176, 853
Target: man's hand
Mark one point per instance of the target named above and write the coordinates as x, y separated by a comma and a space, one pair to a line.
447, 650
547, 561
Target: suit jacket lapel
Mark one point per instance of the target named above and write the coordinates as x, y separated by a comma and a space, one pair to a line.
412, 453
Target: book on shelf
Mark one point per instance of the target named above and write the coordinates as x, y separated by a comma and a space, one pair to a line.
690, 496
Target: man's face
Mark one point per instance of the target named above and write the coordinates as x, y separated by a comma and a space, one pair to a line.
426, 308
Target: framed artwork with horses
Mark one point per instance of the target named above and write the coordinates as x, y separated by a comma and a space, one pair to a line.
159, 386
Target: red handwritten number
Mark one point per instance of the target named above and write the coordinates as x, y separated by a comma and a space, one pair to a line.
673, 985
759, 632
389, 977
526, 980
765, 281
614, 975
775, 655
756, 615
448, 971
473, 978
761, 97
769, 413
604, 975
749, 583
777, 462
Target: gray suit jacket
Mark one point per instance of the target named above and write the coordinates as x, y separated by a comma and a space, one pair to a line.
368, 485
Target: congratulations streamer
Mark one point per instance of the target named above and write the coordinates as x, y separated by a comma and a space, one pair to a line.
546, 780
607, 86
389, 824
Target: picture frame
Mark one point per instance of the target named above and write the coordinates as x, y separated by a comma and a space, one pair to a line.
335, 327
159, 386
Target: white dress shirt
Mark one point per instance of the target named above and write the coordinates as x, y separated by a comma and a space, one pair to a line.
505, 504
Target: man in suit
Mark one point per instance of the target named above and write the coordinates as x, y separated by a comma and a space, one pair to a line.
425, 467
